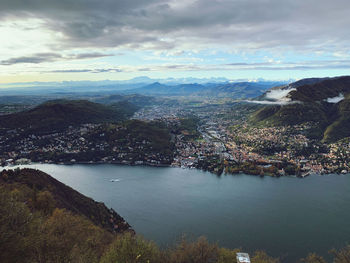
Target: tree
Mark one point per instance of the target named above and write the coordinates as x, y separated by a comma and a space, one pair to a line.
197, 252
15, 220
227, 255
314, 258
129, 248
342, 255
44, 202
261, 257
65, 237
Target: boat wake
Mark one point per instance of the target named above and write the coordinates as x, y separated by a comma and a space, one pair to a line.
114, 180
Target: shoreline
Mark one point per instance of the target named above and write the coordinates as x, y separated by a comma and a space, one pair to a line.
3, 167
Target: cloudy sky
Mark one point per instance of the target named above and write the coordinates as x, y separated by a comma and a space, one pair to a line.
53, 40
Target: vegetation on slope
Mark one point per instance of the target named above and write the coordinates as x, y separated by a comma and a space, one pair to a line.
36, 184
340, 128
321, 90
59, 114
134, 99
39, 223
187, 127
129, 142
331, 121
124, 109
137, 138
290, 114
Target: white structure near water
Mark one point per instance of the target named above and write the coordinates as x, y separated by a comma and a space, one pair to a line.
243, 258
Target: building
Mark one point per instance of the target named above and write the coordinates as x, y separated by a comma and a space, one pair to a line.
243, 258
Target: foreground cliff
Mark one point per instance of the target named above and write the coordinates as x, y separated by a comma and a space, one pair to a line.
34, 184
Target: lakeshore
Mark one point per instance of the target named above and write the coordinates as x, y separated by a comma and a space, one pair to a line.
237, 171
205, 140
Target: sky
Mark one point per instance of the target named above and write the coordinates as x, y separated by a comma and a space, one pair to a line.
72, 40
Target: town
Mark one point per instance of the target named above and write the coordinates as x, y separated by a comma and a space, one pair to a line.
216, 138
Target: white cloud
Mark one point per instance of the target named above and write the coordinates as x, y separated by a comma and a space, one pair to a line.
336, 99
279, 94
316, 25
172, 30
22, 37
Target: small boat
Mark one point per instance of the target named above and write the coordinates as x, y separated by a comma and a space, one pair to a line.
114, 180
305, 174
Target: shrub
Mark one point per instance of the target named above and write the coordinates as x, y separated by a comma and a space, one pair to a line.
128, 248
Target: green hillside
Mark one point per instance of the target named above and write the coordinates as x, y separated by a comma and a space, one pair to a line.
340, 128
309, 104
34, 183
322, 90
59, 114
124, 109
145, 138
291, 114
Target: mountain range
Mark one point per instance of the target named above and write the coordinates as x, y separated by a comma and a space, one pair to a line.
236, 90
144, 86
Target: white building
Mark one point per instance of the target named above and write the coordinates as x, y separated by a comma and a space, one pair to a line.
243, 258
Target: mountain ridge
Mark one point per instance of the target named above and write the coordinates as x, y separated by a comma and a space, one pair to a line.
308, 101
66, 198
59, 114
227, 89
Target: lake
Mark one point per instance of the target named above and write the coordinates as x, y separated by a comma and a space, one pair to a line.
285, 216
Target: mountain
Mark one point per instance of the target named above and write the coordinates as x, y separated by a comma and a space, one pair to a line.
92, 87
140, 85
324, 102
32, 182
235, 90
242, 90
307, 81
124, 109
321, 90
137, 100
43, 220
59, 114
157, 88
340, 127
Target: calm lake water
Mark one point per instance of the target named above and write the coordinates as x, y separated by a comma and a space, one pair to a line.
286, 216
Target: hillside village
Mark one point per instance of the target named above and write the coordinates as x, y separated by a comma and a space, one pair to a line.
88, 143
220, 141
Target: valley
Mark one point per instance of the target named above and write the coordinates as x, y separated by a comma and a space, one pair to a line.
221, 136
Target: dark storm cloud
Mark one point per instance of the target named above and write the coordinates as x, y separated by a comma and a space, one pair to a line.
165, 24
50, 57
